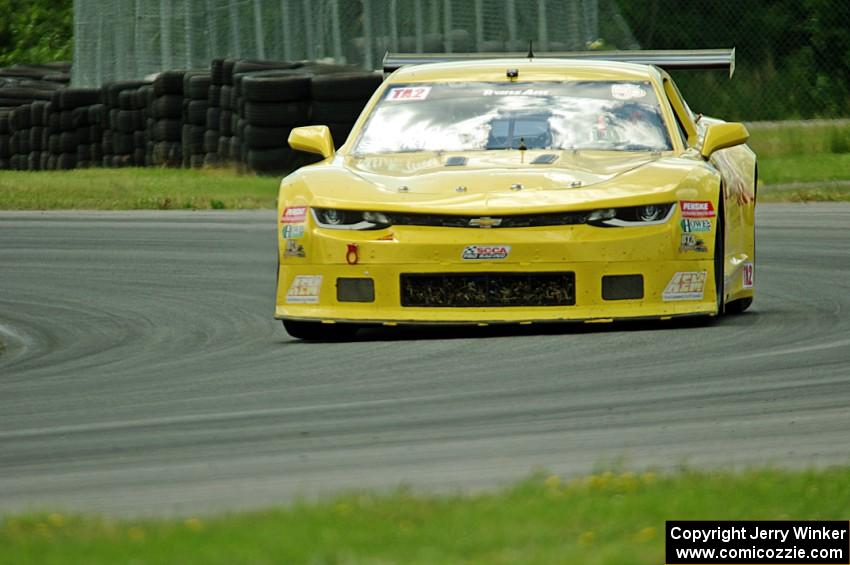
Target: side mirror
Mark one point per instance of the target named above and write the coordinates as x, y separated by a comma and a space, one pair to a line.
721, 136
312, 139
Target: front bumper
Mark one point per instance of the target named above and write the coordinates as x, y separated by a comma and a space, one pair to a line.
588, 252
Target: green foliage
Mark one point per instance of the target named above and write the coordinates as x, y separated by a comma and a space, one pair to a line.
607, 518
793, 55
775, 139
35, 31
135, 189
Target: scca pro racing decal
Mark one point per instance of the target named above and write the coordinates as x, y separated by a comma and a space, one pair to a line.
695, 226
687, 285
295, 215
304, 289
485, 252
696, 209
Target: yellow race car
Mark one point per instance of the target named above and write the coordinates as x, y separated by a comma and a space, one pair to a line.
519, 190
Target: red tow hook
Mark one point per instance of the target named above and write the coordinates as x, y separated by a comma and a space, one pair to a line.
352, 256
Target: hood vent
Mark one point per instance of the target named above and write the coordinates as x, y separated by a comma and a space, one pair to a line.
545, 159
456, 161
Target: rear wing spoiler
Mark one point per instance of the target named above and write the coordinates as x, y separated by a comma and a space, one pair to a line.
674, 59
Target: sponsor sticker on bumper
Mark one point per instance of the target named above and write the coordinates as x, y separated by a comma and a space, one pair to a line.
688, 285
695, 226
690, 242
304, 289
293, 249
292, 231
294, 215
747, 274
696, 208
485, 252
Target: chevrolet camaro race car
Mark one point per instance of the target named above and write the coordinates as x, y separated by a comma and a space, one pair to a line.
519, 190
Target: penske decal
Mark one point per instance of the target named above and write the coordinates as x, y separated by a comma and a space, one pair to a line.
696, 208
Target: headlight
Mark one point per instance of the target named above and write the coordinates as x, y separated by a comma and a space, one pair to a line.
631, 216
335, 219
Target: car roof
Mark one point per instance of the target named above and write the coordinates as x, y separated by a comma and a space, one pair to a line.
529, 69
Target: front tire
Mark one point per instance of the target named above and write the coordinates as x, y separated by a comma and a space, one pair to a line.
317, 331
738, 306
720, 256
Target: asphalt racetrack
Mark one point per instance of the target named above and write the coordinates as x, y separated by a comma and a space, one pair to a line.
142, 373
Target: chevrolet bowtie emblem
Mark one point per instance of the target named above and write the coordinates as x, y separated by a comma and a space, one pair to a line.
485, 222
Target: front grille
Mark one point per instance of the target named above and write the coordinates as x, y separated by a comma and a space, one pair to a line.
512, 221
471, 290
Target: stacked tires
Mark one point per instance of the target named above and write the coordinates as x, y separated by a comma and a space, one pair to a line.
71, 143
240, 113
96, 114
19, 139
5, 138
212, 133
196, 86
338, 99
38, 136
167, 113
226, 138
128, 126
25, 93
120, 121
274, 103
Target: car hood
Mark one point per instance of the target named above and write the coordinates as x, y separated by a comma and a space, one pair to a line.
424, 181
492, 171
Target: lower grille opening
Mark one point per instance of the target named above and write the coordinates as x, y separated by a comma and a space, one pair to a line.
622, 287
355, 290
471, 290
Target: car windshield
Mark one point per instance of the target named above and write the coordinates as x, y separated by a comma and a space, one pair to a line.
453, 116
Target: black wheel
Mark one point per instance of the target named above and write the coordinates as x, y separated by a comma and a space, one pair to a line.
338, 111
71, 98
317, 331
68, 142
258, 137
286, 114
168, 106
738, 306
276, 87
216, 71
274, 161
720, 256
197, 86
168, 82
167, 130
345, 86
254, 65
196, 112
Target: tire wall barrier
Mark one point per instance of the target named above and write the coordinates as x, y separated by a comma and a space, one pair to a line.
27, 93
237, 113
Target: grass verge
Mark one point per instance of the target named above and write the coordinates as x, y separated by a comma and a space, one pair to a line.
135, 189
804, 168
606, 518
813, 137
